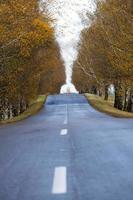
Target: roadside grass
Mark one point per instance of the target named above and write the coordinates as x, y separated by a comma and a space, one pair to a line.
107, 106
34, 107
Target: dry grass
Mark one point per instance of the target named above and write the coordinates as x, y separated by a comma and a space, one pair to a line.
107, 106
34, 107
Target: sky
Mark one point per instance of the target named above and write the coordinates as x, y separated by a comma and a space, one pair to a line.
69, 20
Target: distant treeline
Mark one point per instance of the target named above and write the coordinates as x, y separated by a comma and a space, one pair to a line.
106, 53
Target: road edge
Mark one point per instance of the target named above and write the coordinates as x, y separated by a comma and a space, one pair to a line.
33, 109
118, 114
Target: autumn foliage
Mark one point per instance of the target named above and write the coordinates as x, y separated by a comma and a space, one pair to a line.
106, 53
25, 37
53, 76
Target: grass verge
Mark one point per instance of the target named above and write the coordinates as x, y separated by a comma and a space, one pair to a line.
107, 106
34, 107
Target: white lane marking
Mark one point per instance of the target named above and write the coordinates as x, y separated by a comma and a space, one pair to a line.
62, 150
64, 132
60, 180
65, 122
66, 116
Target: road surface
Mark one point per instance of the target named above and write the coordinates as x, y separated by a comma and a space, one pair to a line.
68, 151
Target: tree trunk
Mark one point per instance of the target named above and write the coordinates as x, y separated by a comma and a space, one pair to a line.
100, 91
130, 102
94, 90
106, 93
125, 100
118, 96
10, 111
22, 105
14, 110
6, 109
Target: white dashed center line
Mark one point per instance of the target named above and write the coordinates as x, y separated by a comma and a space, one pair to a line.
64, 132
65, 122
60, 181
66, 116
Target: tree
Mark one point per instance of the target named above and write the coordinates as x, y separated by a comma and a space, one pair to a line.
24, 32
53, 76
106, 49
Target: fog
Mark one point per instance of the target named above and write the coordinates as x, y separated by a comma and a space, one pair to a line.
69, 20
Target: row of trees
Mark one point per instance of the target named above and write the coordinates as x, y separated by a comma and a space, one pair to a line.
53, 76
26, 40
106, 53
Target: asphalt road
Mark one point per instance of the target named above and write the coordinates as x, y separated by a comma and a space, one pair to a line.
68, 151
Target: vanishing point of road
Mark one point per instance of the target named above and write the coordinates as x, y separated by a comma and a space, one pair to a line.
68, 151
